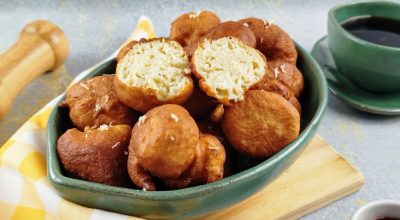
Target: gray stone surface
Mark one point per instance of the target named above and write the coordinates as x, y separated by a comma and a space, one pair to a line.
96, 28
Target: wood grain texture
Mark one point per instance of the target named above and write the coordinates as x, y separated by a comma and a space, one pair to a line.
42, 46
319, 177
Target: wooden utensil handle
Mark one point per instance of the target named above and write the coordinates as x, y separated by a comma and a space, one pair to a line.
42, 46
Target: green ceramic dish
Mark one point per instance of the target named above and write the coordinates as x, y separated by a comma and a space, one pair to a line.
372, 66
194, 201
378, 103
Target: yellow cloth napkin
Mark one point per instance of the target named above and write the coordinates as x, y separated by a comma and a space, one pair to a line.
25, 192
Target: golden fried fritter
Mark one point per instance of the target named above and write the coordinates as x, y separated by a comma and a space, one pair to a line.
262, 124
98, 155
152, 72
93, 102
226, 68
187, 28
272, 41
164, 141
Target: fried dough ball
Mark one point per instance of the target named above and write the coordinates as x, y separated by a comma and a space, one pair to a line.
272, 41
199, 104
98, 155
262, 124
187, 28
226, 68
226, 29
93, 102
164, 141
151, 73
218, 113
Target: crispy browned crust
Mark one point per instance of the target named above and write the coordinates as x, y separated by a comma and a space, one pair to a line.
93, 102
218, 113
143, 99
289, 82
200, 105
165, 141
262, 124
187, 28
97, 156
272, 41
226, 29
207, 88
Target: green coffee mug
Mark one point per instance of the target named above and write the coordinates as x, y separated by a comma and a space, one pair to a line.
371, 66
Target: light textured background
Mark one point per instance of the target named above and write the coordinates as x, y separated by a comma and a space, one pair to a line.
96, 28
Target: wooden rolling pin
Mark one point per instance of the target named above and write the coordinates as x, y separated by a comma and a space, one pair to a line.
41, 47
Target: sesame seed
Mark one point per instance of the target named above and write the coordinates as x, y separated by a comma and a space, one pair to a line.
90, 80
116, 144
173, 116
246, 24
84, 86
144, 189
172, 138
126, 152
106, 97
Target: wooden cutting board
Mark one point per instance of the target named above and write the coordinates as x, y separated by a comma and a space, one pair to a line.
319, 177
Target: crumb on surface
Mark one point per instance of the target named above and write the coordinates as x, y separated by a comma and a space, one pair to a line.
97, 107
116, 144
142, 119
194, 15
283, 68
173, 116
103, 127
84, 86
276, 73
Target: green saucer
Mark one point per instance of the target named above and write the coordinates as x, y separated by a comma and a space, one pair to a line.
349, 92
